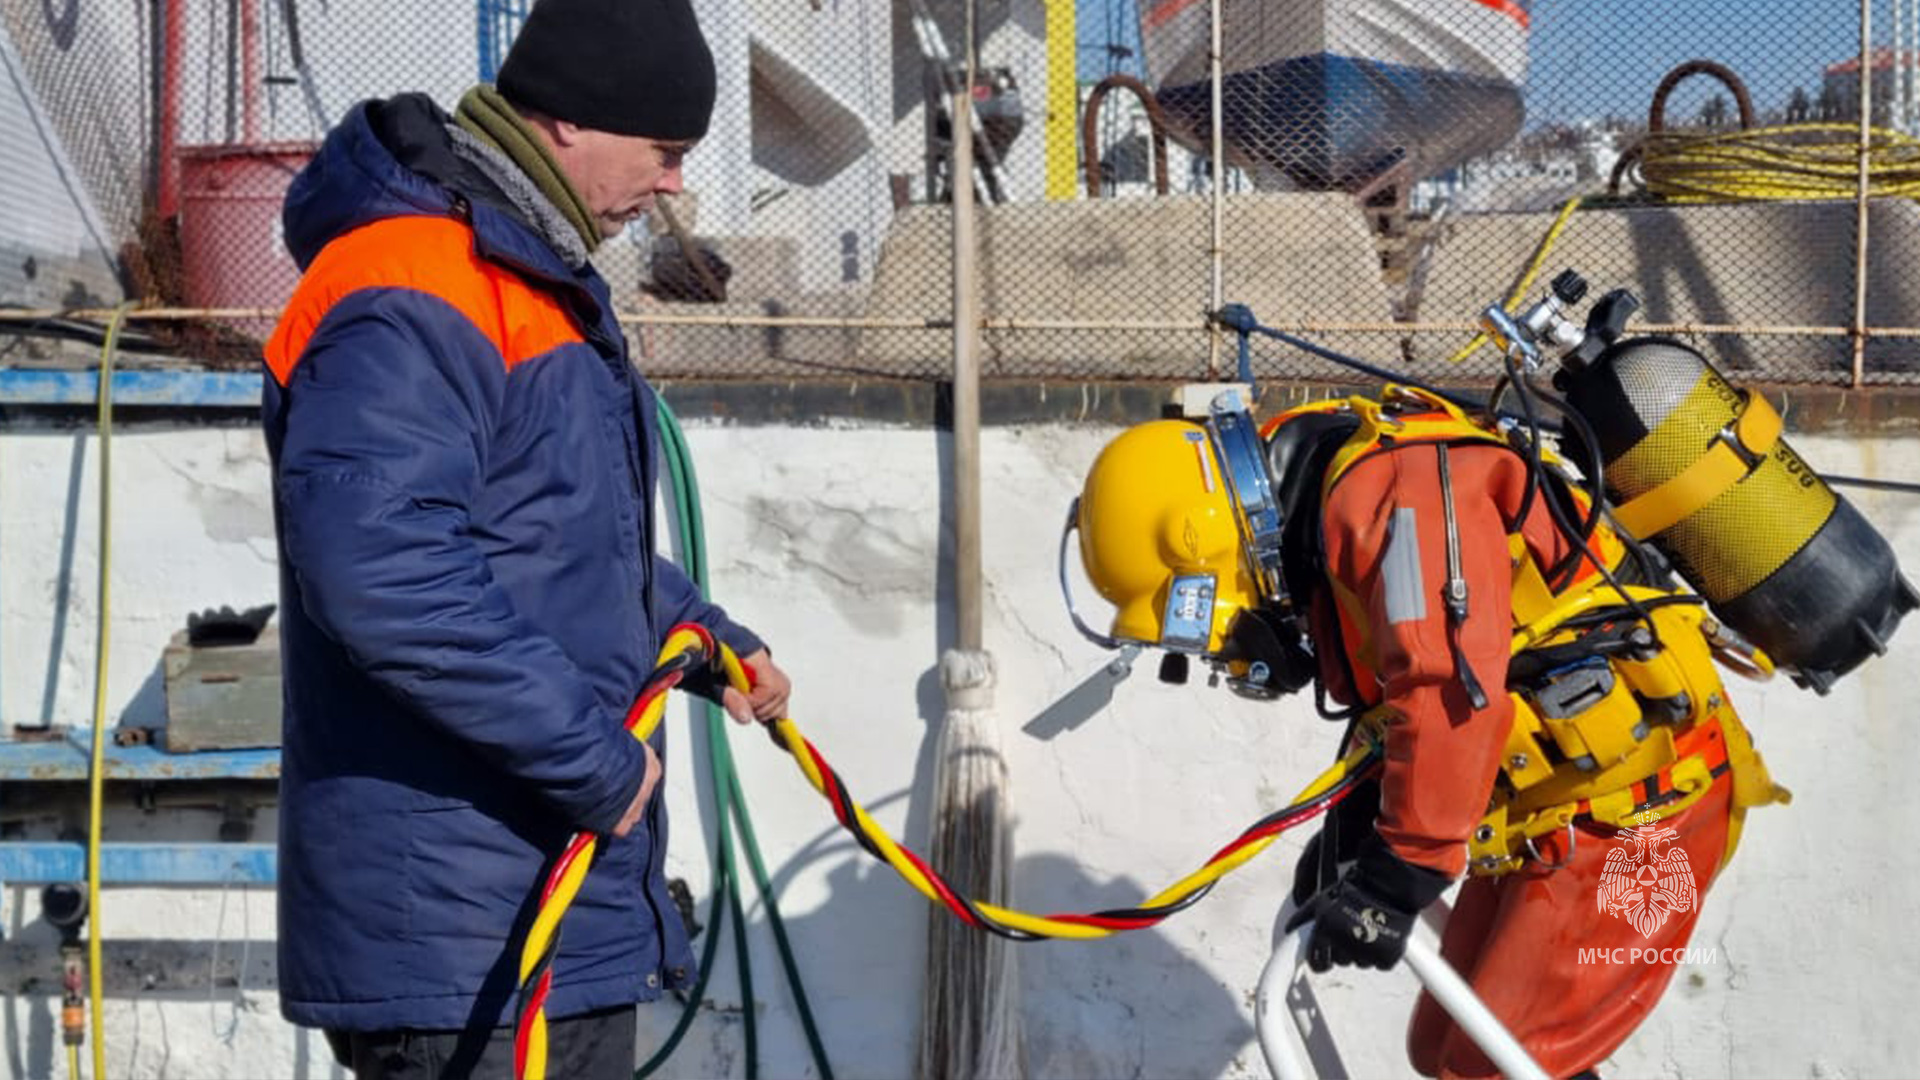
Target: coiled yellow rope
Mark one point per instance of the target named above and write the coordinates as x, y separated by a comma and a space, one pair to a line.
1791, 161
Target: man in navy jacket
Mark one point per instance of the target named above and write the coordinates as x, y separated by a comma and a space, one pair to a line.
464, 473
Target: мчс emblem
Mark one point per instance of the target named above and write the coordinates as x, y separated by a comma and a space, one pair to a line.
1643, 884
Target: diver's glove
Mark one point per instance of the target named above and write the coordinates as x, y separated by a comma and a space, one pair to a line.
1363, 918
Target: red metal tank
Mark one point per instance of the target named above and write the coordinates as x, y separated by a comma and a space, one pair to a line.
233, 253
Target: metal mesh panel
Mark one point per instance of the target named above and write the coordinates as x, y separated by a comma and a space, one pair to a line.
1658, 380
74, 172
1390, 168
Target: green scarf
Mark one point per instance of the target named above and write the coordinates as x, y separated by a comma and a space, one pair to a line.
489, 118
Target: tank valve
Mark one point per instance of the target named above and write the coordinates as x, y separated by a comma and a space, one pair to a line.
1545, 323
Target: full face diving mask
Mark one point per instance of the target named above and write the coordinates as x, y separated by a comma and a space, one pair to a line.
1181, 532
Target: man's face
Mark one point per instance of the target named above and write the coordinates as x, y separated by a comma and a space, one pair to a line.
619, 175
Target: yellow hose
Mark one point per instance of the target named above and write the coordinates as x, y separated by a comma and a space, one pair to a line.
96, 769
789, 737
1526, 280
569, 871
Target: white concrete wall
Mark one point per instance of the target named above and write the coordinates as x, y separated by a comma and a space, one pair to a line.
828, 540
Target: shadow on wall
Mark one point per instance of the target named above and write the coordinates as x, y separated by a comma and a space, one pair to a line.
1679, 287
1129, 1005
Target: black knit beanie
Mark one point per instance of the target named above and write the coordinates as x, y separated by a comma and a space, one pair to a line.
633, 67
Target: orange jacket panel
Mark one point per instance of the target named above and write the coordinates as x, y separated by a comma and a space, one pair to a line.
1386, 540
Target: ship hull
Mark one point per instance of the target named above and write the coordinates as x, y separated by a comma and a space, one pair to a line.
1333, 93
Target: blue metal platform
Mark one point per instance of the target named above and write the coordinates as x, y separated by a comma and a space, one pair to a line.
33, 862
66, 759
182, 388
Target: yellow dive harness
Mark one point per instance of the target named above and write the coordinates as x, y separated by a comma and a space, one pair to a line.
1619, 716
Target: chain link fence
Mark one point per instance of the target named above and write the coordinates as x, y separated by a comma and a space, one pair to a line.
1387, 169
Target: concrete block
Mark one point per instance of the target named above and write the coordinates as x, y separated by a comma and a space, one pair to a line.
764, 267
1772, 264
718, 351
225, 697
764, 283
1290, 257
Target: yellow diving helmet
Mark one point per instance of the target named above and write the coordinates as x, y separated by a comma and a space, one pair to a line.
1179, 530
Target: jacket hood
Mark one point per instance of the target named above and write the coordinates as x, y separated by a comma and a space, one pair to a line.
396, 157
355, 178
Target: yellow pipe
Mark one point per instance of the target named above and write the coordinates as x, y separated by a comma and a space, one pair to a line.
1063, 102
96, 770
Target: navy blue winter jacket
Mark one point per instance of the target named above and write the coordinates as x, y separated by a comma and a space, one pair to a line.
464, 469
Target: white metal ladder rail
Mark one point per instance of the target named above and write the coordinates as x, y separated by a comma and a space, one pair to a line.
1284, 1034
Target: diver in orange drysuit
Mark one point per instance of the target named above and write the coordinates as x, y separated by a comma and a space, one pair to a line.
1384, 637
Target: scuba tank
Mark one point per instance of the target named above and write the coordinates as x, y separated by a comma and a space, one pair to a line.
1699, 468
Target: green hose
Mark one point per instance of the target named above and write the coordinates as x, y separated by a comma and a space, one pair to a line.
730, 810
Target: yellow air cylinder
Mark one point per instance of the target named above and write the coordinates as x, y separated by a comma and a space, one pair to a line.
1699, 468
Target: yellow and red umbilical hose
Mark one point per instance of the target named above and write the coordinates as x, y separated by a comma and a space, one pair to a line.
688, 647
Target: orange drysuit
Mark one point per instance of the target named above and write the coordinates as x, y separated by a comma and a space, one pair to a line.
1518, 939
